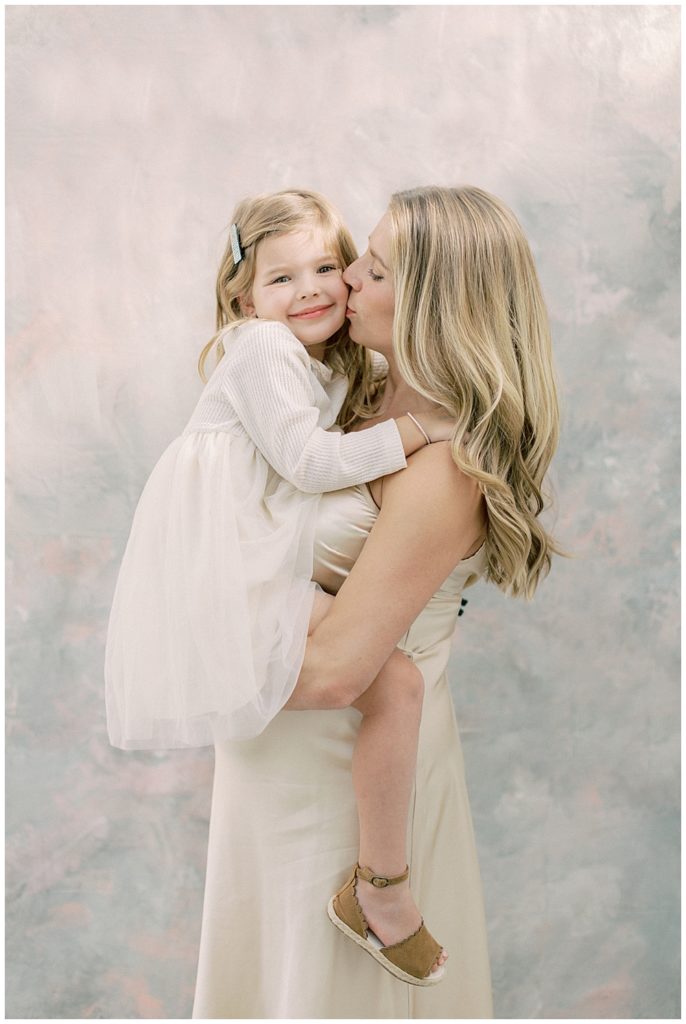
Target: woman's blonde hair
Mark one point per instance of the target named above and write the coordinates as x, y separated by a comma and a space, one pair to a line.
471, 332
280, 213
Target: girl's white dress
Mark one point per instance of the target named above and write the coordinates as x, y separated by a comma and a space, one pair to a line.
210, 613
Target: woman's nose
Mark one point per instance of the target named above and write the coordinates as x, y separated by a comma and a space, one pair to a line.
352, 277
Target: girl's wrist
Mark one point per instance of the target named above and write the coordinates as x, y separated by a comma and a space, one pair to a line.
412, 435
419, 427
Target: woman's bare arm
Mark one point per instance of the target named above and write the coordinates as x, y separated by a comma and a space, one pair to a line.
431, 517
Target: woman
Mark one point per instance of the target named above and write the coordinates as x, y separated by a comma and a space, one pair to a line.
448, 293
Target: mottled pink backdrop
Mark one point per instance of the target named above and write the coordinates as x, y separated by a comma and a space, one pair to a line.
131, 132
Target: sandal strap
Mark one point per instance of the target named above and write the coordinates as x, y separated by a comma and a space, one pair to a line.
381, 881
348, 909
416, 954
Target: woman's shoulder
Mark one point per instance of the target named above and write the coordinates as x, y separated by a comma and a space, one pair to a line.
434, 467
434, 491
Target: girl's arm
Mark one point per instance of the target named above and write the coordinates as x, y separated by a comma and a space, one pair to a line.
269, 383
432, 515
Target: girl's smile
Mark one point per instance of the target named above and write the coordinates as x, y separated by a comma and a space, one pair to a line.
299, 282
310, 314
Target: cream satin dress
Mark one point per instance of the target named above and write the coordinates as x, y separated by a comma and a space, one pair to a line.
284, 835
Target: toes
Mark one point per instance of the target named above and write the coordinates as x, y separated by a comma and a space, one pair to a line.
442, 957
440, 960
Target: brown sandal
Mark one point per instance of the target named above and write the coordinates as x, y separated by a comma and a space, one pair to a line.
411, 959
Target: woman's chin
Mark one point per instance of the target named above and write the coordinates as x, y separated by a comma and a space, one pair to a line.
371, 343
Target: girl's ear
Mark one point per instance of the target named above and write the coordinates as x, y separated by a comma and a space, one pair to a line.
246, 304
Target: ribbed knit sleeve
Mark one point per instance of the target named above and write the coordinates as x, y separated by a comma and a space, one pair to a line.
277, 398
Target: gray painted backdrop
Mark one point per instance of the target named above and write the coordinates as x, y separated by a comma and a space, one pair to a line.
131, 133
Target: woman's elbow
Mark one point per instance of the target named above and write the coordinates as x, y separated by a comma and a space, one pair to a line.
343, 691
334, 684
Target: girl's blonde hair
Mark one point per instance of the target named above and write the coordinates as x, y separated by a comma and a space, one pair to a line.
280, 213
471, 332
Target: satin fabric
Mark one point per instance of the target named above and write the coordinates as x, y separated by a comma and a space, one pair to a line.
284, 834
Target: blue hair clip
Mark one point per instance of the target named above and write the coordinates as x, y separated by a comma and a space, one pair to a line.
236, 250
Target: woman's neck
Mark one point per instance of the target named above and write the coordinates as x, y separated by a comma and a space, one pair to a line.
399, 397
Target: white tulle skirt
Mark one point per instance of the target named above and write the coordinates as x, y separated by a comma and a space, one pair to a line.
212, 604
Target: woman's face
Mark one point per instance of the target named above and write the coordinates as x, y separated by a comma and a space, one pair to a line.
371, 304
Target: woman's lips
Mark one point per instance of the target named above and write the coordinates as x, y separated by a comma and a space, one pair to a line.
349, 311
311, 314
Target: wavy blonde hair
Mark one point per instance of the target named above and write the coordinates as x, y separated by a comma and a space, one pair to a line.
471, 332
280, 213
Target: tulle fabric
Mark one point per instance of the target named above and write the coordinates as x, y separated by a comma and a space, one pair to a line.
212, 604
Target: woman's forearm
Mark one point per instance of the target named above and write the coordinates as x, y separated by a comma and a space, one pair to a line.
322, 684
317, 688
333, 674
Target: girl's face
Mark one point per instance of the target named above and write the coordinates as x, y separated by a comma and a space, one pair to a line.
372, 301
299, 282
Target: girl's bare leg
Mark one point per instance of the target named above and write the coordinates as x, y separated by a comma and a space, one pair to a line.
384, 761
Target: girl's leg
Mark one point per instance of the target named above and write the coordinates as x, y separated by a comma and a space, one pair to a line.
384, 761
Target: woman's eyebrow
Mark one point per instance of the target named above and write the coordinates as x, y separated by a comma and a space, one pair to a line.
376, 256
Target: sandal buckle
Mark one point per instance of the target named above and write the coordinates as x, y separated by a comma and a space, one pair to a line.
379, 881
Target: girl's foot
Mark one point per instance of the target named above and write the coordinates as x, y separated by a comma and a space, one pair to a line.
391, 913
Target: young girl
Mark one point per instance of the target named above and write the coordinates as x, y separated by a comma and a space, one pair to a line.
215, 597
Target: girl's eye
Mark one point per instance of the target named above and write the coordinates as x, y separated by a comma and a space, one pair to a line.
326, 268
278, 280
374, 277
